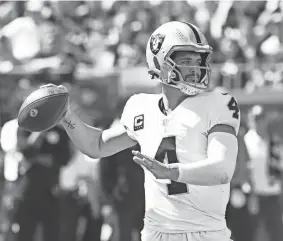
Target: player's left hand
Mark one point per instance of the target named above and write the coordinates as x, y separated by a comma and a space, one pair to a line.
158, 169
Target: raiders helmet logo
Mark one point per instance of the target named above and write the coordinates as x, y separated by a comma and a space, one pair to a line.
156, 42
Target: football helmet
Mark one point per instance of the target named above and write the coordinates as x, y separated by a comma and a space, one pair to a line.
170, 38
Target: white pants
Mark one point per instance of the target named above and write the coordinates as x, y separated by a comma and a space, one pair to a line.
150, 235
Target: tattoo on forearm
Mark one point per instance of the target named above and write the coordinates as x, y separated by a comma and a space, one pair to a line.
69, 124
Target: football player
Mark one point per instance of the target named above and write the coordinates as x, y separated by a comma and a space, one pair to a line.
187, 137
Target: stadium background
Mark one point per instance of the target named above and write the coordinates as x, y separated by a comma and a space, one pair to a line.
97, 48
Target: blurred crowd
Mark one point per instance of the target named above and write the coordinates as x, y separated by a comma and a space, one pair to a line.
86, 45
256, 199
67, 41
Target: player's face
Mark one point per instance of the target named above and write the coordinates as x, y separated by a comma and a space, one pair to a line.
187, 59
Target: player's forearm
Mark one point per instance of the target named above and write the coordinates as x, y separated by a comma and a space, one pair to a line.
86, 138
93, 141
204, 173
216, 169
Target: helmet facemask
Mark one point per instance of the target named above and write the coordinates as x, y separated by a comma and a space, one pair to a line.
171, 73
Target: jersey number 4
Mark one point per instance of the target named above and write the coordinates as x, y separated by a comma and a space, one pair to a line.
233, 106
168, 148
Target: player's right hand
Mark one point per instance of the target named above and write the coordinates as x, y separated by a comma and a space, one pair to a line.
60, 88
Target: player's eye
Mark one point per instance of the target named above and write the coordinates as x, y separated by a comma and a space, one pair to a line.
189, 62
186, 62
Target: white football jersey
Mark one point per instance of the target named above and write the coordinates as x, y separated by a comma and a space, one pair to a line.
181, 136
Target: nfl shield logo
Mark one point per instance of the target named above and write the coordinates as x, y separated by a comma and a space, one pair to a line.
156, 42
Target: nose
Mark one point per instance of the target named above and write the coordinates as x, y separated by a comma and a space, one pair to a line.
193, 71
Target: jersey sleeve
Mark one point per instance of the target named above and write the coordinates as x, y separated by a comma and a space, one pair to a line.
224, 110
127, 116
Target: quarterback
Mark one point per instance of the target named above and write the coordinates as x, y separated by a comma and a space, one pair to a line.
187, 137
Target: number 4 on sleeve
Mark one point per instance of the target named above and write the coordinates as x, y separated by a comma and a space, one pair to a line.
233, 106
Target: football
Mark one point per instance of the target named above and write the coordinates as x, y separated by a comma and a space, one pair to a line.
43, 109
